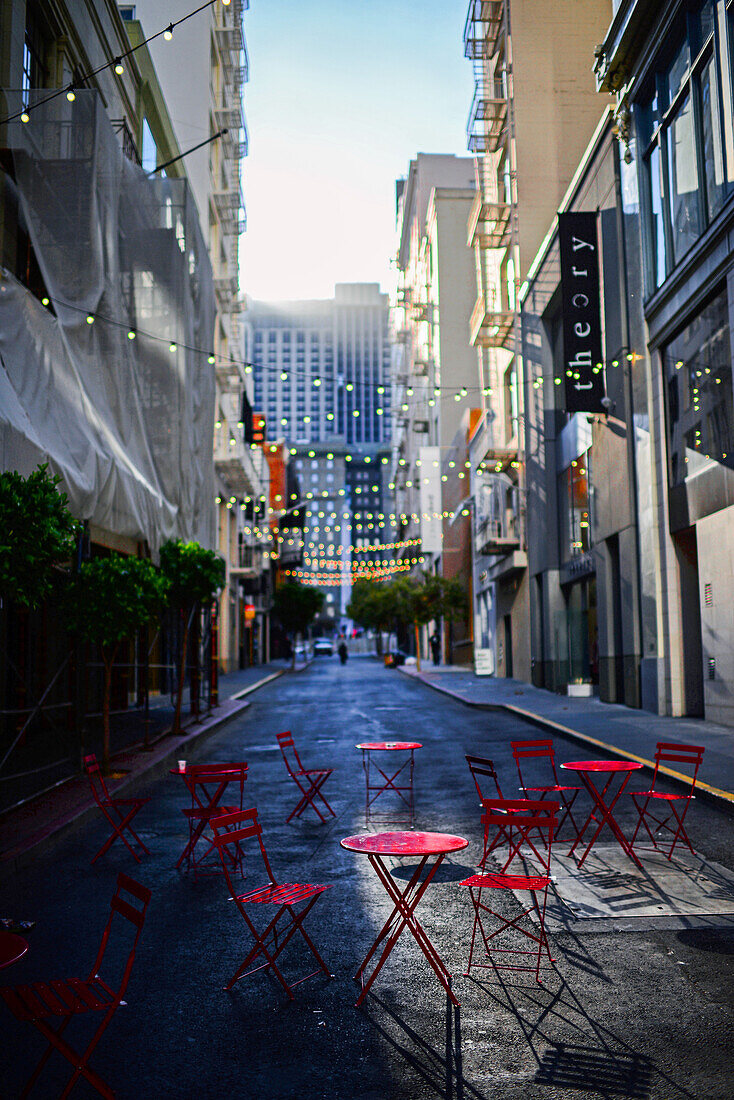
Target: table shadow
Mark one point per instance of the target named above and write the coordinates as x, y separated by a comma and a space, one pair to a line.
447, 872
440, 1069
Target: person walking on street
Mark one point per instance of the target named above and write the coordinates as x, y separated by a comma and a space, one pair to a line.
342, 651
435, 648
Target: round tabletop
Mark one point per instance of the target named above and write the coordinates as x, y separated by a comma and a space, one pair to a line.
602, 766
404, 844
12, 948
389, 745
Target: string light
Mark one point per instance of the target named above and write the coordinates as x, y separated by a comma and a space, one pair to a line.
116, 63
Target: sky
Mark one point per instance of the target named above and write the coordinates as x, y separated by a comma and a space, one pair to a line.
342, 94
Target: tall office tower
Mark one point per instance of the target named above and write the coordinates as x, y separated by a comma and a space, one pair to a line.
323, 381
534, 110
203, 79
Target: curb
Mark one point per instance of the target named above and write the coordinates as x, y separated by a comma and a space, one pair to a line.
720, 798
260, 683
14, 860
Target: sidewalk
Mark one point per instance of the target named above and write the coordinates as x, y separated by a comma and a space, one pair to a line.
614, 729
42, 821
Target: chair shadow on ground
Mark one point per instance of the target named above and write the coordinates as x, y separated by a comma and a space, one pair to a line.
439, 1068
599, 1063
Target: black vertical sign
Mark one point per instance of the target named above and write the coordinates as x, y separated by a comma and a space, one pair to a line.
582, 354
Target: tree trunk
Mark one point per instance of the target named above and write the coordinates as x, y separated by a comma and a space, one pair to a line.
109, 660
417, 646
176, 728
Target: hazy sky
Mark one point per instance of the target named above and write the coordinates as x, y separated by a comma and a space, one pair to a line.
342, 94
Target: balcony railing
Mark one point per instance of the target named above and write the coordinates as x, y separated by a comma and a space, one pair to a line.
489, 224
482, 29
230, 117
490, 328
487, 123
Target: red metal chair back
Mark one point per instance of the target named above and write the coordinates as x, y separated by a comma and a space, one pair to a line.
231, 831
288, 749
532, 825
482, 768
534, 750
96, 780
668, 752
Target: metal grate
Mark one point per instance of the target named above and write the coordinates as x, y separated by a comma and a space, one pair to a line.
708, 595
712, 668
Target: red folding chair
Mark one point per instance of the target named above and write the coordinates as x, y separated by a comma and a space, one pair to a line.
566, 795
41, 1002
672, 822
292, 901
207, 784
119, 812
533, 825
308, 780
485, 777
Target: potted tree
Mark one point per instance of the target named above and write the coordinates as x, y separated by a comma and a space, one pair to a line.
107, 601
194, 575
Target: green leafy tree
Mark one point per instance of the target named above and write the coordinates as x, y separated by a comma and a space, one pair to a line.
194, 575
107, 602
372, 606
414, 604
296, 606
37, 532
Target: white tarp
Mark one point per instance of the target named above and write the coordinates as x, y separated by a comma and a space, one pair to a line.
127, 423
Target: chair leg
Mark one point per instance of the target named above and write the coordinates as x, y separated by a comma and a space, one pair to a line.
79, 1061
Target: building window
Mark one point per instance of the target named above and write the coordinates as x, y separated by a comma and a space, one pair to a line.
684, 132
150, 149
575, 507
698, 371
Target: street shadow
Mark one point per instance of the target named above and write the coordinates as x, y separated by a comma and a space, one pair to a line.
439, 1067
571, 1067
601, 1063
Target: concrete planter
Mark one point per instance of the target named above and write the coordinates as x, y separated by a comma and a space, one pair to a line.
583, 690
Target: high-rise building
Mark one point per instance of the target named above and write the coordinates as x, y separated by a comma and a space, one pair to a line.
534, 110
322, 380
202, 69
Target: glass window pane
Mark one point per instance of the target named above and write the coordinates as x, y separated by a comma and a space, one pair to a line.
657, 226
713, 141
678, 71
700, 397
685, 215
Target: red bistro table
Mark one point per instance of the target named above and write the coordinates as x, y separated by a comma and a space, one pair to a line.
377, 846
12, 948
206, 792
588, 768
404, 789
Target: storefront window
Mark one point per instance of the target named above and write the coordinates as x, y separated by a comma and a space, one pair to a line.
698, 369
575, 508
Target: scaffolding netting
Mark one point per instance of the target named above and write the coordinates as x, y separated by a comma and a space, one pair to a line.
127, 421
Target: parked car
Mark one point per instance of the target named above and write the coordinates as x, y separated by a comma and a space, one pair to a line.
322, 647
394, 658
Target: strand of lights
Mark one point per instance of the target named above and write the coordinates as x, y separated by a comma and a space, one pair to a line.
115, 63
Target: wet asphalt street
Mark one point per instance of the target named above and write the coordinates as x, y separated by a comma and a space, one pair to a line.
643, 1013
